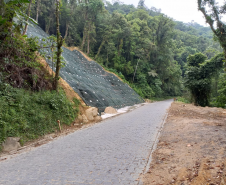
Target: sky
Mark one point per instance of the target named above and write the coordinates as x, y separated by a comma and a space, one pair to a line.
180, 10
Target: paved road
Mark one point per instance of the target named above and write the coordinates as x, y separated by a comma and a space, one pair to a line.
114, 151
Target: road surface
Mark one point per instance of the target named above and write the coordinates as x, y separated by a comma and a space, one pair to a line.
114, 151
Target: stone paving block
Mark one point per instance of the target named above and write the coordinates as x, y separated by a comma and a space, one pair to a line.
114, 151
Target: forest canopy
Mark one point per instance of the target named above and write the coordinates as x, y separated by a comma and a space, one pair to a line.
146, 47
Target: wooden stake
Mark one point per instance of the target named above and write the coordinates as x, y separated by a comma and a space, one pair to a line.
58, 121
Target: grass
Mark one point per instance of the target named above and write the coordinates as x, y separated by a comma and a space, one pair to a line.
28, 115
183, 99
162, 98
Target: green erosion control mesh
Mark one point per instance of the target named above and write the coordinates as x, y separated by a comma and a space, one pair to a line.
95, 86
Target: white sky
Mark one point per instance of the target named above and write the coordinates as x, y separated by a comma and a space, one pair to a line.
180, 10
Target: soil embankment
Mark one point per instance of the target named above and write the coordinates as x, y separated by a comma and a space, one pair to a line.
191, 149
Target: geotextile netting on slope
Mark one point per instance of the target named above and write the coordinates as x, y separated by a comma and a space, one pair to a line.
94, 85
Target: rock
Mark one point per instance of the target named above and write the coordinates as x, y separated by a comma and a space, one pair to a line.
10, 144
49, 136
95, 111
84, 119
91, 113
80, 118
110, 110
147, 101
98, 118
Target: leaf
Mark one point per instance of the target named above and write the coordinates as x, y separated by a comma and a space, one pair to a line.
2, 21
152, 73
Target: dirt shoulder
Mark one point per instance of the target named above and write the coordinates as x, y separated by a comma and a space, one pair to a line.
191, 148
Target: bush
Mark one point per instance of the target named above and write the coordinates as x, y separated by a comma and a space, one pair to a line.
183, 99
199, 74
28, 115
220, 101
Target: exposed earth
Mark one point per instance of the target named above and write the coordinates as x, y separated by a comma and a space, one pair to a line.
191, 148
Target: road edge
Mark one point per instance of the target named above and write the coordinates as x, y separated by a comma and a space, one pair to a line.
153, 148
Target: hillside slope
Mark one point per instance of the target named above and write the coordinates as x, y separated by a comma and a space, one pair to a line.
94, 85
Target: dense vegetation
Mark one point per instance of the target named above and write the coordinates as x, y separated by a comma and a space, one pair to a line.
130, 41
199, 74
214, 17
27, 114
28, 105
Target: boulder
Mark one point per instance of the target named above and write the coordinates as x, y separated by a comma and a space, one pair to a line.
110, 110
98, 118
49, 136
84, 119
91, 113
10, 144
80, 118
95, 111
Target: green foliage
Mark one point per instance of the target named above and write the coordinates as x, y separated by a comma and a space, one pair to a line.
220, 100
198, 76
162, 98
196, 60
33, 112
141, 88
29, 115
214, 18
119, 36
183, 99
121, 8
12, 10
18, 65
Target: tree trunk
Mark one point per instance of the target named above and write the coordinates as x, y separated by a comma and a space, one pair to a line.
135, 70
47, 26
37, 10
224, 52
2, 7
59, 45
120, 47
84, 38
28, 14
88, 41
107, 60
88, 37
85, 28
66, 31
101, 45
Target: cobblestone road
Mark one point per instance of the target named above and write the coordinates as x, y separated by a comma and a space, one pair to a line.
114, 151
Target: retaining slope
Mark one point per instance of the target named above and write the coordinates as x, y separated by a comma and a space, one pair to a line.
94, 85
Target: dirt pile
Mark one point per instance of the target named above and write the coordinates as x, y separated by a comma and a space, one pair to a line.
192, 148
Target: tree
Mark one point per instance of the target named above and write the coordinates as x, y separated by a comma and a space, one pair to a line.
37, 9
118, 35
9, 10
60, 41
221, 99
90, 10
212, 16
67, 13
141, 4
28, 16
198, 76
44, 11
